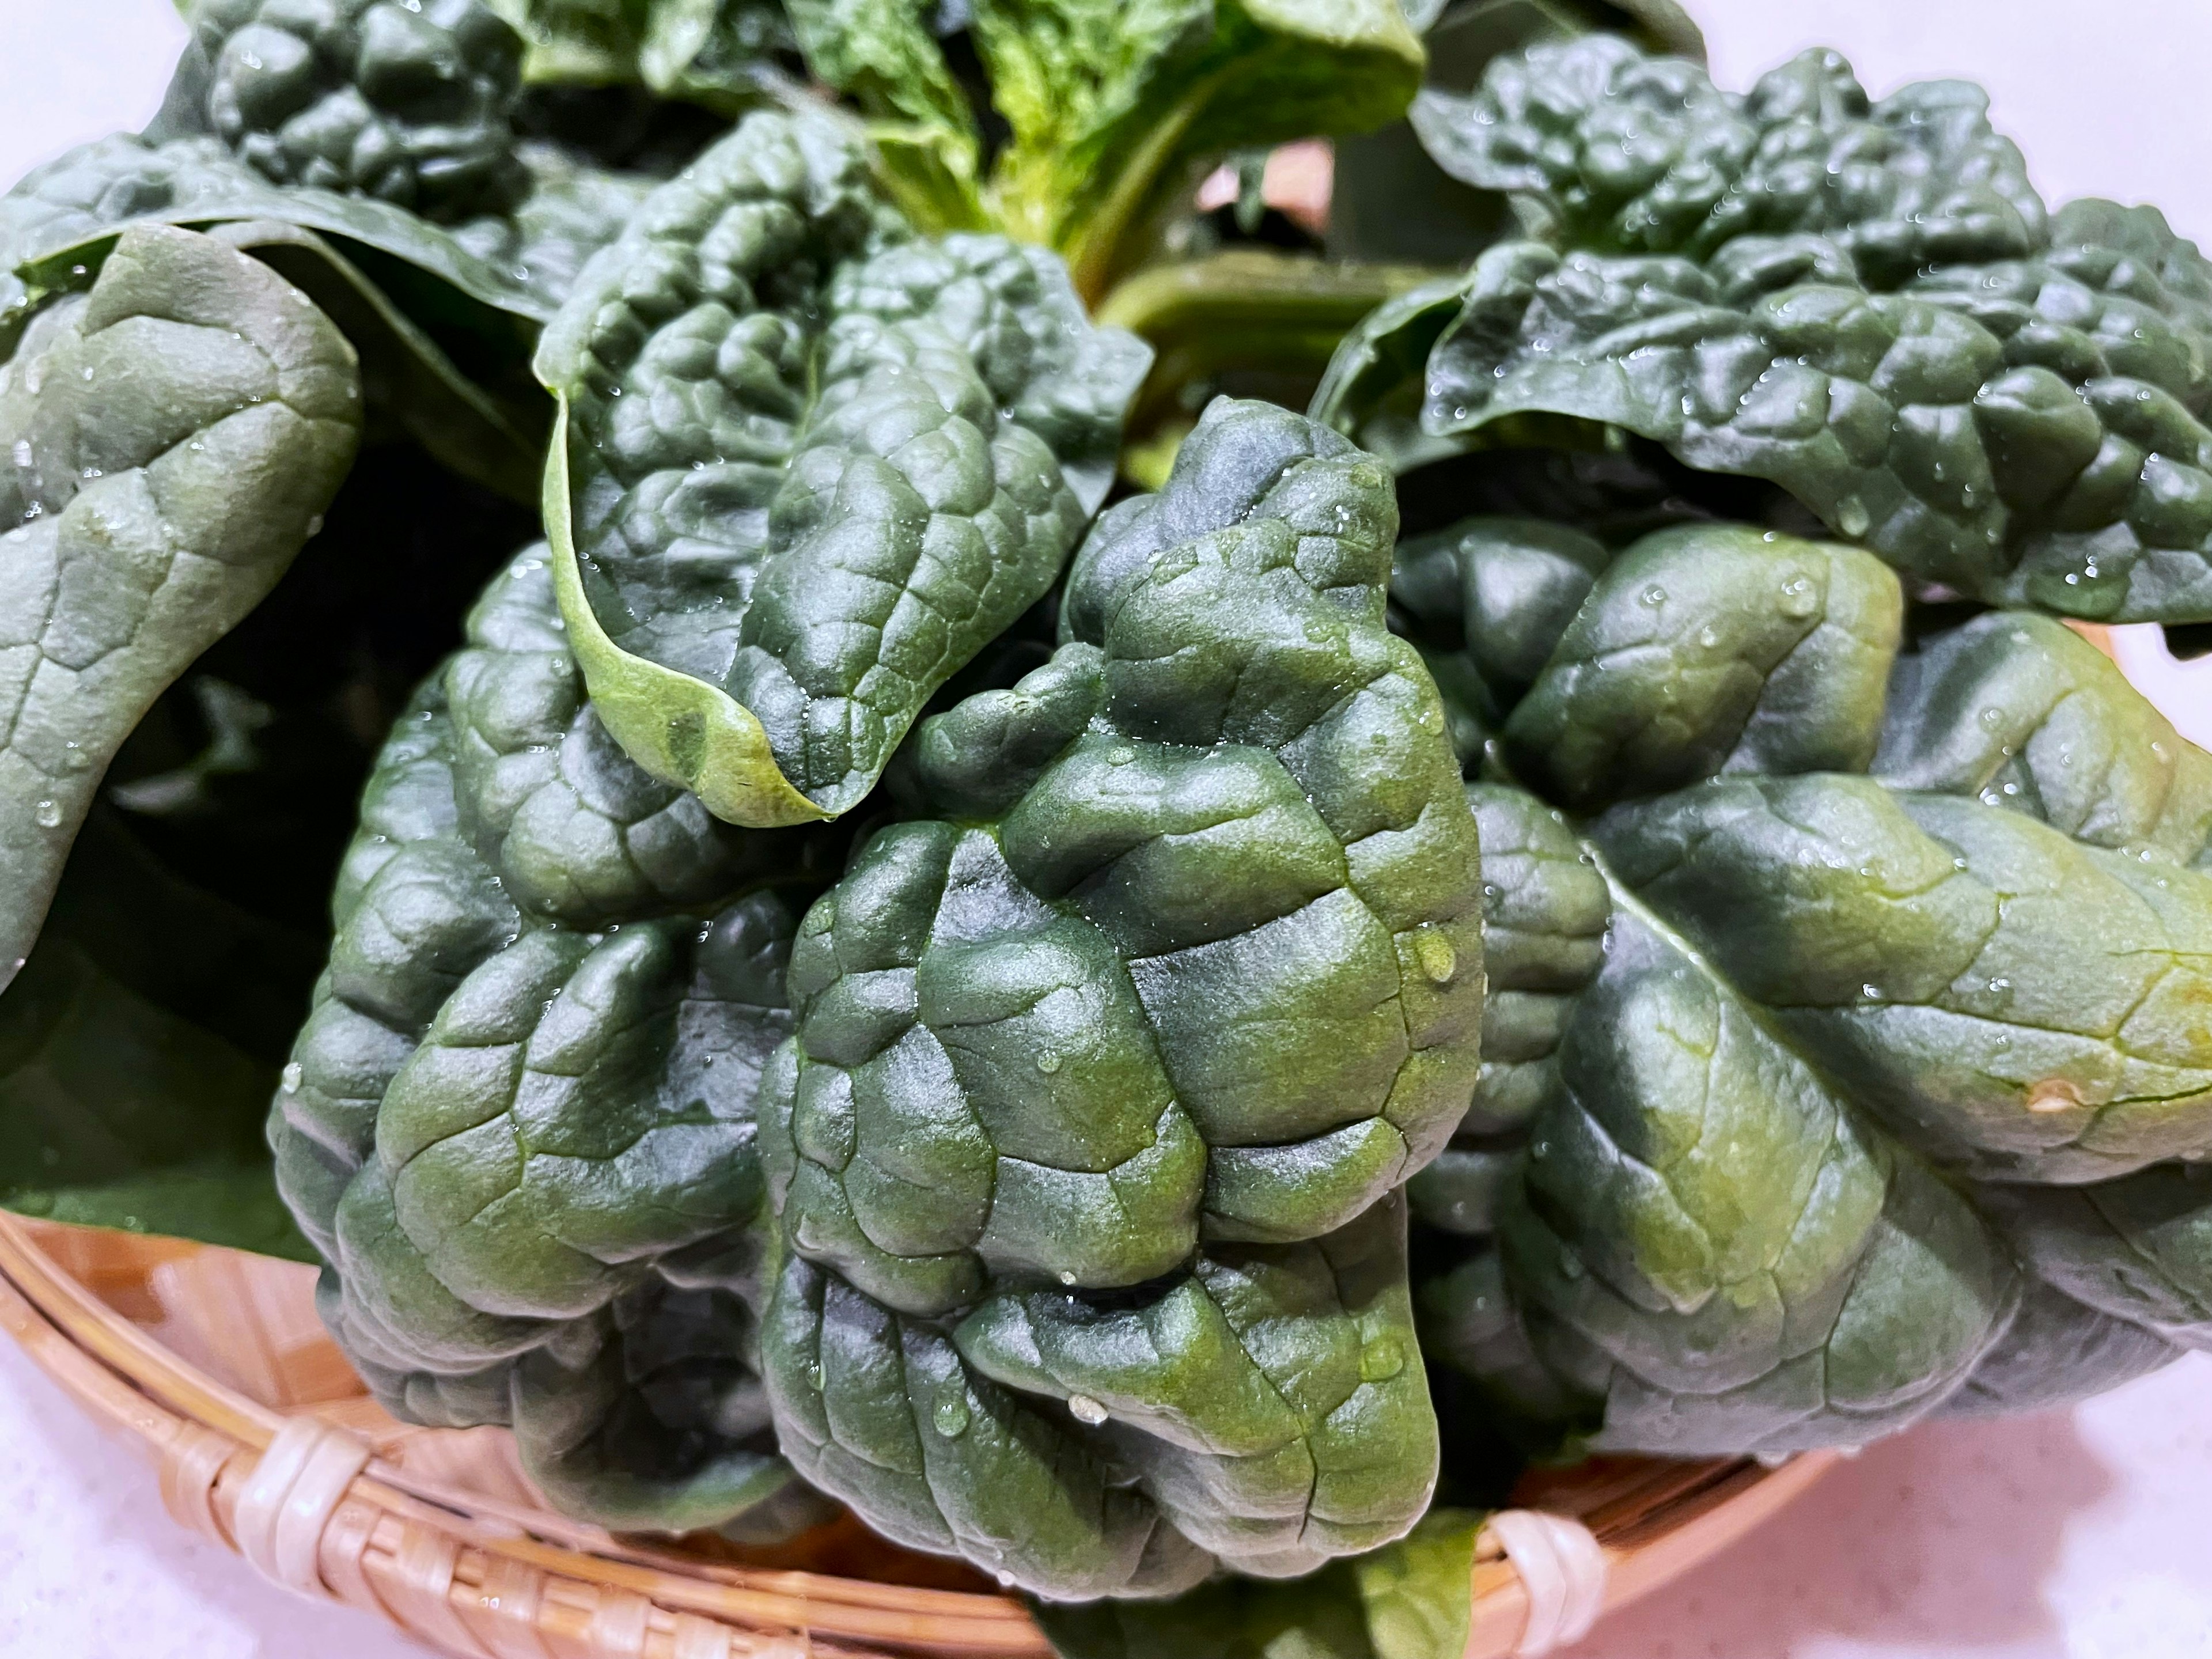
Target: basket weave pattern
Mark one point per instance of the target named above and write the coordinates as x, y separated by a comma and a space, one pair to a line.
214, 1363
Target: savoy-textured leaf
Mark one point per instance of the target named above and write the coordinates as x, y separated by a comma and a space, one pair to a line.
1862, 302
807, 468
1838, 979
1391, 199
405, 101
1106, 1068
518, 1123
167, 441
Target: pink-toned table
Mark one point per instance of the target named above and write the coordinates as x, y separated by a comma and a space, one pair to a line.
2086, 1536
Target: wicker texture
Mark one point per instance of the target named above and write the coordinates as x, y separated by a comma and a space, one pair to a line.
214, 1363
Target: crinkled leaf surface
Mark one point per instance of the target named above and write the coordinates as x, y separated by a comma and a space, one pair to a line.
1844, 987
1863, 302
167, 443
444, 316
518, 1123
1391, 201
1107, 1064
808, 468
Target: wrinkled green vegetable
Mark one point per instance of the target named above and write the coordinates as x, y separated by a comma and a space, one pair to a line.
807, 468
404, 103
1392, 201
1863, 302
1844, 986
1142, 1048
517, 1124
1106, 1067
167, 441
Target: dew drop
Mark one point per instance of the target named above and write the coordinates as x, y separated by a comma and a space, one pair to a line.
1709, 637
2053, 1094
1798, 598
74, 759
87, 373
315, 524
1570, 1264
1047, 1062
1120, 755
2001, 987
1993, 718
951, 1416
1084, 1409
1654, 595
1852, 518
22, 452
1436, 956
292, 1074
1382, 1359
48, 814
1870, 993
1065, 1277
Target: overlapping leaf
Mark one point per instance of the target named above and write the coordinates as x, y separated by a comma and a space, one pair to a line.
1862, 302
807, 469
1903, 975
1107, 1066
167, 441
517, 1124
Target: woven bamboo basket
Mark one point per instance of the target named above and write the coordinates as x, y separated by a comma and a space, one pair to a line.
214, 1363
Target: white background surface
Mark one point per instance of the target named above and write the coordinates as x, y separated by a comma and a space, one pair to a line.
2086, 1536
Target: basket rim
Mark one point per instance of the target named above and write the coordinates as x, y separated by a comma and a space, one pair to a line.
1654, 1519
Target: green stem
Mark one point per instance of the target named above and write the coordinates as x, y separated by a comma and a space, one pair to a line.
1246, 309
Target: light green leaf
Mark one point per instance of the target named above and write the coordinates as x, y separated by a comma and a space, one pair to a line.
1112, 105
1410, 1600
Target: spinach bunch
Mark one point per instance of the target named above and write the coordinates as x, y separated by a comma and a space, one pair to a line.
1145, 987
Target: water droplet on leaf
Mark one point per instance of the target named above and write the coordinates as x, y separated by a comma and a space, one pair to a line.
2053, 1094
48, 815
1382, 1359
293, 1074
1435, 954
1084, 1409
